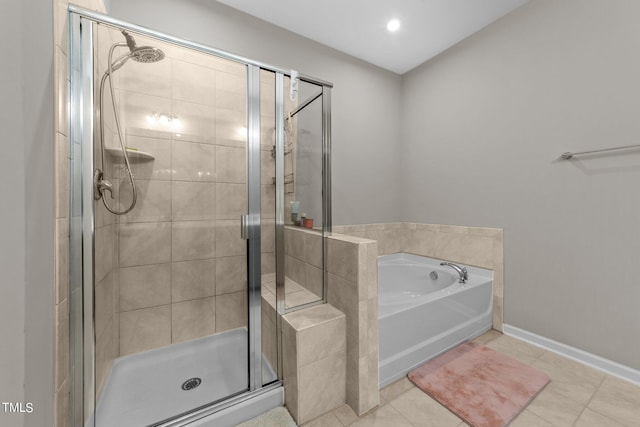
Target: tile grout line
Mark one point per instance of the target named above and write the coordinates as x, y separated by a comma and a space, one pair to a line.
538, 358
586, 405
338, 418
540, 416
398, 411
551, 380
390, 403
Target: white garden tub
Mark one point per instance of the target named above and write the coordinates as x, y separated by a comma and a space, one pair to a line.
420, 317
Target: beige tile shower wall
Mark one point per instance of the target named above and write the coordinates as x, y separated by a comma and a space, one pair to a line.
182, 261
353, 289
303, 258
106, 297
106, 290
61, 170
477, 246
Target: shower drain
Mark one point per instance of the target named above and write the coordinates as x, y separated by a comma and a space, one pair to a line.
191, 383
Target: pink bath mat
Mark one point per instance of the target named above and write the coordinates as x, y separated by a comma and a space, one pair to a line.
483, 387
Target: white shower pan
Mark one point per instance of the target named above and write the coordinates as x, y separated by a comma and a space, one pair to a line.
147, 388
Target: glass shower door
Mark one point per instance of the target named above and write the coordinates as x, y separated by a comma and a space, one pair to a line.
172, 289
303, 173
180, 264
293, 162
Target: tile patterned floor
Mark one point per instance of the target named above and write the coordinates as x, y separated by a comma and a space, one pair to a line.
577, 396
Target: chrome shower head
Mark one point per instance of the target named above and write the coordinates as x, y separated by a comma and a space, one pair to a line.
146, 54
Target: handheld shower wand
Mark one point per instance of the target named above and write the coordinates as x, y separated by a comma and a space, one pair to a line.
147, 54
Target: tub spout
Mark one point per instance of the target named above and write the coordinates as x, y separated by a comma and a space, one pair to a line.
462, 271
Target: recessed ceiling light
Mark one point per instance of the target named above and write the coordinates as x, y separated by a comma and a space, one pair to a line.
393, 25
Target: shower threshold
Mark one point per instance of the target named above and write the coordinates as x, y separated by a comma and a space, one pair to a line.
147, 388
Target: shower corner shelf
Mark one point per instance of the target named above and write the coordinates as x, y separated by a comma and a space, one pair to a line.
133, 154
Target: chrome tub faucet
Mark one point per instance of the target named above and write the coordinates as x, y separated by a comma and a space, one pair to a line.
462, 271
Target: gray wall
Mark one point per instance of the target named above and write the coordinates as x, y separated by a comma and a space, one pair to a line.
26, 181
12, 223
484, 124
38, 128
365, 103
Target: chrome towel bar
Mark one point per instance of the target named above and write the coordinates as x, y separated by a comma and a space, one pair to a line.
568, 155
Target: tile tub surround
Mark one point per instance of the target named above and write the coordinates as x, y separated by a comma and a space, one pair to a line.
476, 246
352, 287
314, 361
576, 396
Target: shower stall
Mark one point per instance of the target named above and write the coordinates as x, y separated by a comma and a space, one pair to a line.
188, 167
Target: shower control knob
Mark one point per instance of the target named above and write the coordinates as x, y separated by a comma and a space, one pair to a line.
101, 185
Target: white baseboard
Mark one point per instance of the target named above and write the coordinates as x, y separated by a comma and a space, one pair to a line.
589, 359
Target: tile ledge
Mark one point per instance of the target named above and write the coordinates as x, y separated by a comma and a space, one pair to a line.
349, 238
331, 315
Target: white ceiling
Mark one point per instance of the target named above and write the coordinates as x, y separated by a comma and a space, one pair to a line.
358, 27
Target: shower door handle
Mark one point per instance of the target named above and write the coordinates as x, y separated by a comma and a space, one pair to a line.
244, 227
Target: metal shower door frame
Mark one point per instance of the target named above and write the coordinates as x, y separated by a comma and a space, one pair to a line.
325, 94
254, 275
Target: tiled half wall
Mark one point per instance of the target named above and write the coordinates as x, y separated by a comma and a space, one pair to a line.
352, 288
314, 361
